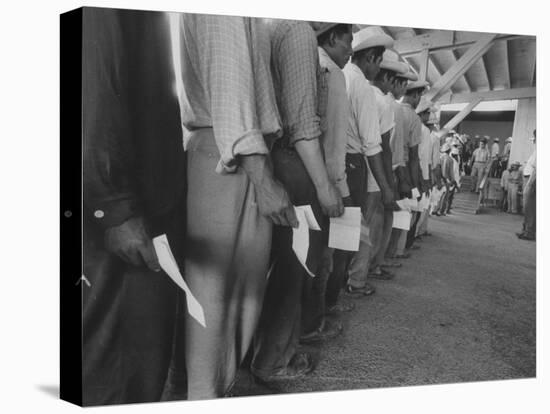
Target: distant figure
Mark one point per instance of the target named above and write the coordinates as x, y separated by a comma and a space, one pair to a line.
495, 148
504, 187
514, 184
507, 148
478, 163
530, 196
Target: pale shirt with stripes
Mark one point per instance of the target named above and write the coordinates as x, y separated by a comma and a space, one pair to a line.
225, 84
412, 128
334, 120
436, 159
397, 135
425, 152
363, 132
386, 123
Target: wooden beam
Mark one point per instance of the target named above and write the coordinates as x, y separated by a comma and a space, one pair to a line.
466, 80
504, 95
424, 62
507, 61
460, 67
458, 118
484, 64
435, 41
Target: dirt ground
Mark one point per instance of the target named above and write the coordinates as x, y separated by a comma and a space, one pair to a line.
461, 309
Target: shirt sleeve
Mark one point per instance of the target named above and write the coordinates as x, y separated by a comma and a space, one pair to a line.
415, 131
226, 72
385, 114
367, 118
108, 149
334, 139
298, 63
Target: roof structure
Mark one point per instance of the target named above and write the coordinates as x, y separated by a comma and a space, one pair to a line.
468, 67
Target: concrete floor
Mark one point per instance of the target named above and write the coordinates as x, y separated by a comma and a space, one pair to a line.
461, 309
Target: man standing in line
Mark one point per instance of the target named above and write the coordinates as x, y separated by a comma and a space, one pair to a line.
228, 108
495, 148
365, 141
530, 196
384, 84
413, 138
400, 151
334, 52
299, 165
424, 111
133, 190
447, 174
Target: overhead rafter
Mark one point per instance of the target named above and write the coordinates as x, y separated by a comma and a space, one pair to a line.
502, 95
458, 118
435, 41
460, 67
466, 80
424, 62
507, 60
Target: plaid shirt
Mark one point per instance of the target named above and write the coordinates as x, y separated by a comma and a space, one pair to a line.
225, 84
295, 69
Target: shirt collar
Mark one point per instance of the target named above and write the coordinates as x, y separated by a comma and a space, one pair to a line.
324, 57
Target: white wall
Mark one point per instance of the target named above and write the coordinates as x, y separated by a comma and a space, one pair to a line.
524, 124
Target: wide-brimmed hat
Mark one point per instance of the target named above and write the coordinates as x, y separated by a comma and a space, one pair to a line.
425, 105
509, 139
390, 61
417, 84
483, 139
496, 140
371, 36
324, 27
445, 147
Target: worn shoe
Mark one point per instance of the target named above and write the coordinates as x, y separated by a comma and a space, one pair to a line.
299, 366
340, 307
381, 274
391, 264
525, 236
328, 331
367, 290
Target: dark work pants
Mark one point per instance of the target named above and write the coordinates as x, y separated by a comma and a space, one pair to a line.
530, 209
356, 172
412, 231
128, 326
283, 316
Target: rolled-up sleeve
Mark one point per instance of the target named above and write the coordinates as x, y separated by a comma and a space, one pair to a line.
334, 140
221, 47
298, 63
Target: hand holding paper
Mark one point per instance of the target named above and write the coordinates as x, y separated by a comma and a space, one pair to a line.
345, 231
169, 265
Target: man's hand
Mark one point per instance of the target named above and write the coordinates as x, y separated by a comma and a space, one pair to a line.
347, 201
330, 200
271, 197
131, 243
389, 200
273, 202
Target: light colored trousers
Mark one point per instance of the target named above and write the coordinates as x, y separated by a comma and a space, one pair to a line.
512, 195
226, 266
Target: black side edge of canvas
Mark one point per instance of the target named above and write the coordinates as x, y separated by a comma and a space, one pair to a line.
71, 206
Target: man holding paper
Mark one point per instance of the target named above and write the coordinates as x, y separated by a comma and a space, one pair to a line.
365, 147
228, 107
133, 189
299, 165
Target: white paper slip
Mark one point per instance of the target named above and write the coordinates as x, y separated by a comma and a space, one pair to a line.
402, 220
169, 265
345, 231
300, 238
415, 193
310, 217
403, 204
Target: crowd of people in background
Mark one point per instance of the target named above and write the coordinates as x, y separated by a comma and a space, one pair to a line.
273, 114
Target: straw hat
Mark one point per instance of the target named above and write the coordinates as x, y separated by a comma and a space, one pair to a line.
371, 36
509, 139
324, 27
390, 61
445, 147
